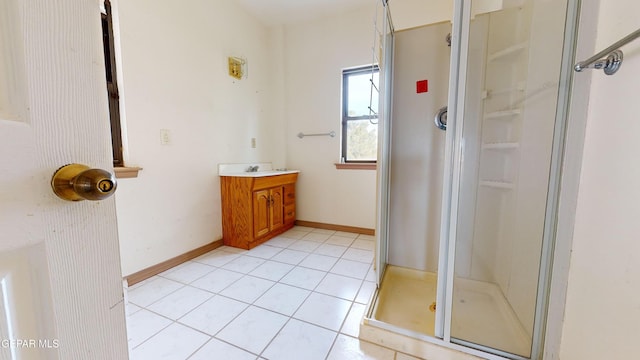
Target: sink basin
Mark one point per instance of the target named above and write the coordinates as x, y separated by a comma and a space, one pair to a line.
260, 173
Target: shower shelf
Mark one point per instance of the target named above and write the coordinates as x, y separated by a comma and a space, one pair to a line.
504, 185
502, 114
520, 86
514, 49
501, 146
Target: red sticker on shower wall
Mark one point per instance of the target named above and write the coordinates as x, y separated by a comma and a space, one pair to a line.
422, 86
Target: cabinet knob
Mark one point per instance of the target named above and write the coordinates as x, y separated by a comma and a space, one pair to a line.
75, 182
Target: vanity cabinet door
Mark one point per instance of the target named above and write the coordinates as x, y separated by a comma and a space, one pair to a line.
277, 208
261, 209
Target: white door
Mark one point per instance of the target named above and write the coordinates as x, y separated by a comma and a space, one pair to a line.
60, 280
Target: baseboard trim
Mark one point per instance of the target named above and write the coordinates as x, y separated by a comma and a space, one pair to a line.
345, 228
168, 264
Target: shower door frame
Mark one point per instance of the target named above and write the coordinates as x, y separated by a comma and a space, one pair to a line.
384, 146
453, 171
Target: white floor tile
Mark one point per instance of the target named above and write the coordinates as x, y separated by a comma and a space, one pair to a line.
294, 234
340, 240
214, 314
217, 280
346, 234
153, 291
138, 284
330, 250
216, 349
367, 237
132, 309
350, 268
243, 264
175, 342
283, 299
339, 286
188, 272
253, 329
349, 348
247, 289
371, 274
231, 249
363, 244
216, 258
263, 251
304, 245
323, 310
305, 229
280, 242
303, 277
180, 302
316, 237
305, 286
351, 324
323, 231
292, 257
299, 340
364, 256
272, 270
318, 262
143, 325
366, 290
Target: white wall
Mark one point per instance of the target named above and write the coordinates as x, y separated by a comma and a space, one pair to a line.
174, 67
417, 146
408, 14
602, 313
315, 55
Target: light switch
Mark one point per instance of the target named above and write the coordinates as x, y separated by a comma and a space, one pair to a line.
253, 143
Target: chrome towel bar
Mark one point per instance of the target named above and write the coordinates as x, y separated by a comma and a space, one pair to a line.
331, 133
609, 59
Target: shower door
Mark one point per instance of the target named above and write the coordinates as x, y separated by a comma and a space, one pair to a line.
502, 150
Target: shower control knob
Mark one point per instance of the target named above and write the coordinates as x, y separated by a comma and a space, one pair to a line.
75, 182
441, 118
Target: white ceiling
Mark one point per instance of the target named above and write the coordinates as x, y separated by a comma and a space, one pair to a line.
274, 12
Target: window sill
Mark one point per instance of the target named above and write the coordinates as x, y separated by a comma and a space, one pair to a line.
356, 166
126, 172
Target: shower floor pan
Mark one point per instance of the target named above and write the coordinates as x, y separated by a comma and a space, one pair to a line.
481, 314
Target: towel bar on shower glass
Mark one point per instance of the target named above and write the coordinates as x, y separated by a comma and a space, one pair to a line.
613, 60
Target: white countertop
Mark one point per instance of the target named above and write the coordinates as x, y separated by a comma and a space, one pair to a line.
264, 169
260, 173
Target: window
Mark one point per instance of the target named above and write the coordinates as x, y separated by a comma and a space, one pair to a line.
360, 114
112, 86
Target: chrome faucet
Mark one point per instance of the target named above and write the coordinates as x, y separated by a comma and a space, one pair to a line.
253, 168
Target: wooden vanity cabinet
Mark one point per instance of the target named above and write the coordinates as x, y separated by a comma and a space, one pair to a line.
255, 209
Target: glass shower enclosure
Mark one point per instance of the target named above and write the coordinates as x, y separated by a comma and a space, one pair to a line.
498, 182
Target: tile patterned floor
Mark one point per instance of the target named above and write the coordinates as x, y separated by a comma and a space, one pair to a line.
300, 295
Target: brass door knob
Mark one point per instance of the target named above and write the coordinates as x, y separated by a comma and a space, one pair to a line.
75, 182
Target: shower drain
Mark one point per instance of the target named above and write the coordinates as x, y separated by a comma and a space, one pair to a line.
432, 307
